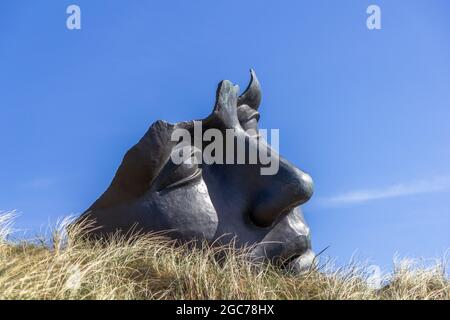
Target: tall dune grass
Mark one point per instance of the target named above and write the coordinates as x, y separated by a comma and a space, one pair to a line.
153, 267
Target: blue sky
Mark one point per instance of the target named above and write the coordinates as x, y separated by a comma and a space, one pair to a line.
366, 113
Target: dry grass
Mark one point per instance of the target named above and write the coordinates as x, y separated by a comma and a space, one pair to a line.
152, 267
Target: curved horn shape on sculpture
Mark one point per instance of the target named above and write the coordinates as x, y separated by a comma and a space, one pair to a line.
251, 95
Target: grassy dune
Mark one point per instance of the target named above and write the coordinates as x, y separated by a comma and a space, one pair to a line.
152, 267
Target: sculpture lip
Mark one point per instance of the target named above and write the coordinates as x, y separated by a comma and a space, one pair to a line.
286, 242
296, 247
297, 259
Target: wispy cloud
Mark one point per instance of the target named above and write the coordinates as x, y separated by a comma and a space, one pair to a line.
39, 183
392, 191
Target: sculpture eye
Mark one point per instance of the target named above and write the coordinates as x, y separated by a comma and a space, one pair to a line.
174, 175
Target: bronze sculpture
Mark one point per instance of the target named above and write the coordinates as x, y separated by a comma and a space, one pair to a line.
213, 201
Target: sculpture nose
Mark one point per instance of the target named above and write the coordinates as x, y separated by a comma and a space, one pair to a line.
287, 189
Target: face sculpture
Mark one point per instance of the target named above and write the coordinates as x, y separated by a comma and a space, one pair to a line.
216, 202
